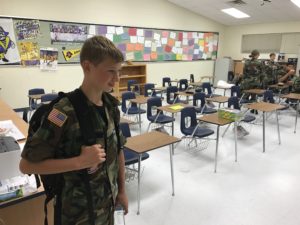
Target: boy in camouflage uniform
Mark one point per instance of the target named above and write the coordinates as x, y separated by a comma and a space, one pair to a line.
270, 68
253, 72
296, 84
57, 146
286, 73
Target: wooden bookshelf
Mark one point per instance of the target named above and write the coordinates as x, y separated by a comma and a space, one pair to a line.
131, 72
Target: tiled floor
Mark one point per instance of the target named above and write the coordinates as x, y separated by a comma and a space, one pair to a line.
259, 189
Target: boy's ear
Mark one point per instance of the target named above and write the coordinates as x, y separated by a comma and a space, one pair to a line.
86, 66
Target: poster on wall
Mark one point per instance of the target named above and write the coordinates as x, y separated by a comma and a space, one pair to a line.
48, 59
29, 53
70, 53
27, 29
8, 50
60, 32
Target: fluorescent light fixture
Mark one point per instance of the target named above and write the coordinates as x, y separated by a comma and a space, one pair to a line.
235, 13
296, 2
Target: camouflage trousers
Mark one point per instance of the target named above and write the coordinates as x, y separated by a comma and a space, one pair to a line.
103, 216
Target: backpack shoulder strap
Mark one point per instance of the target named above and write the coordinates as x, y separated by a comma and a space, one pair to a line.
79, 102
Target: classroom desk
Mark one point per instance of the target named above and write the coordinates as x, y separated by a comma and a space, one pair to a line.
218, 99
160, 89
147, 142
196, 84
139, 100
215, 119
266, 107
27, 210
124, 120
255, 91
279, 87
170, 109
224, 89
186, 93
295, 97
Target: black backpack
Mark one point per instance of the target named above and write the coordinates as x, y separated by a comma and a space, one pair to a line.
53, 183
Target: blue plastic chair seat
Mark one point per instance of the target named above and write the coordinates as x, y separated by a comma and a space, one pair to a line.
206, 110
200, 132
248, 118
135, 110
132, 157
161, 119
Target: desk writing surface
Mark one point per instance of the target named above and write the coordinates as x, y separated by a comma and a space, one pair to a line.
139, 99
149, 141
219, 99
255, 91
264, 106
214, 119
292, 96
196, 83
6, 113
277, 86
124, 120
184, 93
159, 88
170, 109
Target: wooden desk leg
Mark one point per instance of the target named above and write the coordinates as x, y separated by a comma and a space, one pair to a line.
217, 145
139, 184
278, 130
297, 110
235, 139
172, 169
264, 130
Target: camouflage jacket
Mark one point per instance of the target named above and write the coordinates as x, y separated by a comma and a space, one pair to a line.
252, 75
65, 141
296, 84
270, 69
253, 69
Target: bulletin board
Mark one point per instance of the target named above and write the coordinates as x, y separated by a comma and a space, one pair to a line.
31, 42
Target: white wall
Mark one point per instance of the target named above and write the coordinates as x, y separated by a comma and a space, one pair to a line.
15, 81
233, 41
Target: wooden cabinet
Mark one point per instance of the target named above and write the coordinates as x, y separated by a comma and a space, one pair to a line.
238, 67
131, 72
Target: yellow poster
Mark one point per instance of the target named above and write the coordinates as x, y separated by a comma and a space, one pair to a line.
29, 53
69, 54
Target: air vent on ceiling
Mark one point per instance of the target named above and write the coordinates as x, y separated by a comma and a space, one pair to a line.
237, 2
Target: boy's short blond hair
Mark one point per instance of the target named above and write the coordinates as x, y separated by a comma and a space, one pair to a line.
98, 48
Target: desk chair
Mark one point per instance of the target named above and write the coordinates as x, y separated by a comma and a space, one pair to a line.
149, 90
33, 103
269, 97
236, 91
131, 158
166, 81
172, 97
233, 102
183, 84
200, 104
159, 118
35, 91
132, 109
192, 79
48, 97
206, 87
190, 128
132, 87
